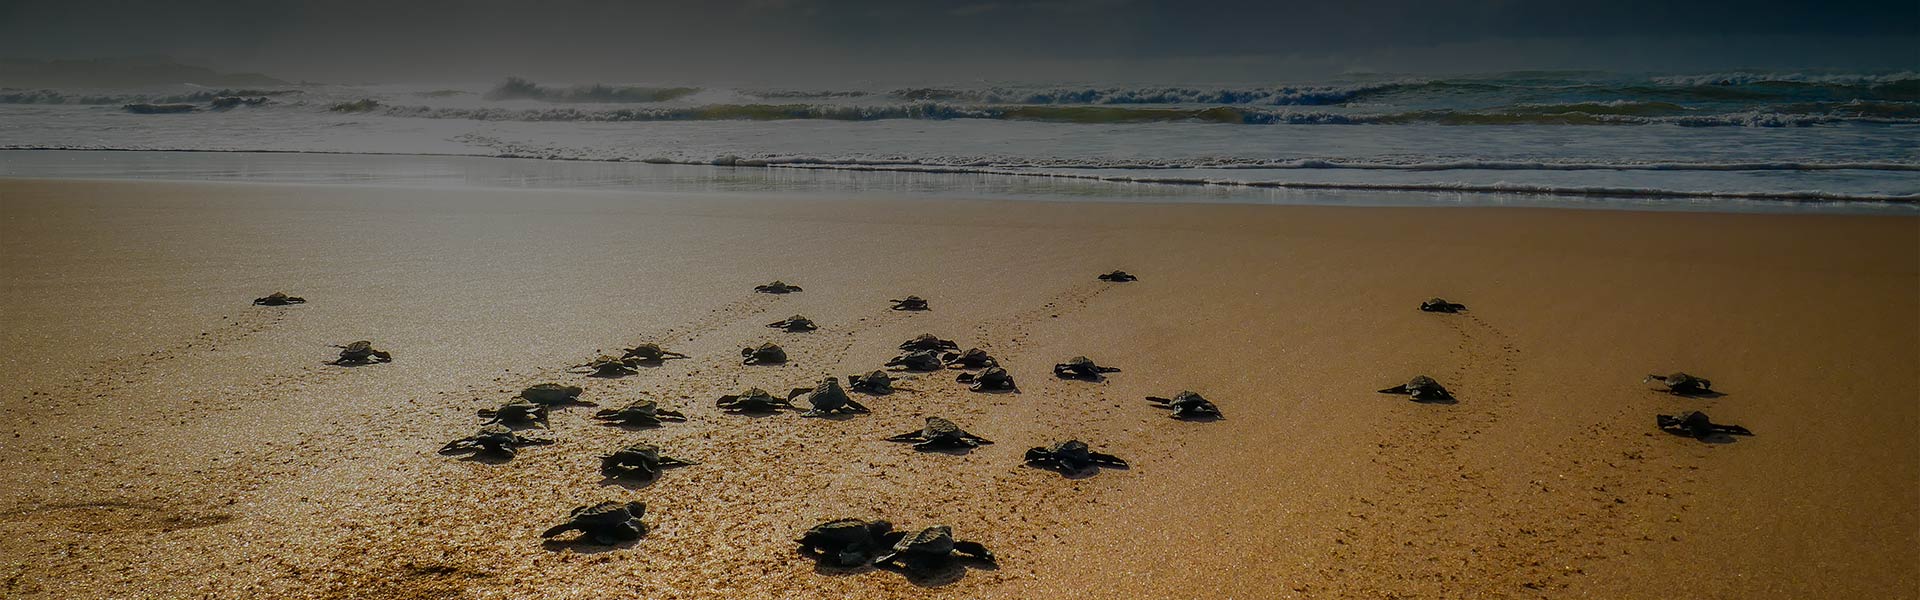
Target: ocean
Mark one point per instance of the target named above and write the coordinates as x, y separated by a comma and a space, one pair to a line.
1585, 137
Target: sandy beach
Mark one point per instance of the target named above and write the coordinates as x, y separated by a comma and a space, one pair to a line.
165, 439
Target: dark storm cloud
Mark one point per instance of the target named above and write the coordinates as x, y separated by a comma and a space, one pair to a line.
594, 38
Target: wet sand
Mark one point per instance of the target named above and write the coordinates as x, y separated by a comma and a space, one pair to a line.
165, 439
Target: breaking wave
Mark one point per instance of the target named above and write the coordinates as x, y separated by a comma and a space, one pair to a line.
515, 88
59, 97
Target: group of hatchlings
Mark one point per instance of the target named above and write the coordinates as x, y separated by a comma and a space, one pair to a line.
861, 542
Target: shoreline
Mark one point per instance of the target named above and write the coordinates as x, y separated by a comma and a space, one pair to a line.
1537, 195
267, 474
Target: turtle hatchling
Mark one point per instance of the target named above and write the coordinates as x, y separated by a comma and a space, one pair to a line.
973, 358
941, 434
994, 379
918, 360
777, 287
649, 353
278, 299
606, 523
1188, 406
827, 398
764, 354
849, 542
1081, 367
794, 324
754, 400
910, 303
930, 546
607, 366
1119, 277
927, 341
1071, 457
1682, 384
361, 353
643, 413
493, 440
1421, 389
554, 394
877, 383
516, 412
1441, 305
638, 461
1696, 425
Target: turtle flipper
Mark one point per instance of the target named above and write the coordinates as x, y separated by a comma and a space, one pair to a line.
911, 436
669, 415
457, 446
1398, 389
560, 529
1160, 401
1731, 429
856, 406
1107, 460
725, 400
973, 549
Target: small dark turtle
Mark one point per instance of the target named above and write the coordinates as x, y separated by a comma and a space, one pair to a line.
973, 358
764, 354
554, 394
278, 299
910, 303
1421, 389
1081, 367
1072, 456
649, 353
754, 400
493, 440
918, 360
827, 398
1441, 305
607, 366
607, 523
1188, 406
929, 546
876, 383
643, 413
360, 353
927, 341
794, 324
777, 287
849, 542
994, 379
638, 461
1696, 425
940, 434
1682, 384
516, 412
1119, 277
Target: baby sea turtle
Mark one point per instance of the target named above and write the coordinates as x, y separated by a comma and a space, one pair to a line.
1072, 456
994, 379
777, 287
1441, 305
910, 303
794, 324
940, 434
360, 353
1682, 384
1188, 406
930, 546
754, 400
827, 398
1081, 367
607, 523
607, 366
876, 383
849, 542
516, 412
1696, 425
1421, 389
643, 413
554, 394
764, 354
1119, 277
649, 353
638, 461
927, 341
493, 440
918, 360
278, 299
973, 358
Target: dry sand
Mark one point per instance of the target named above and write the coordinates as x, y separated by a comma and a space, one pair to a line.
165, 439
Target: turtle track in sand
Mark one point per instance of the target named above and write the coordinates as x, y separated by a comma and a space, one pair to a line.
1452, 511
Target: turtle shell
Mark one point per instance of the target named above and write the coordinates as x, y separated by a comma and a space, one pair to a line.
551, 393
937, 539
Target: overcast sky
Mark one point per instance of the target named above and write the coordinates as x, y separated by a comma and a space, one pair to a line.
792, 41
